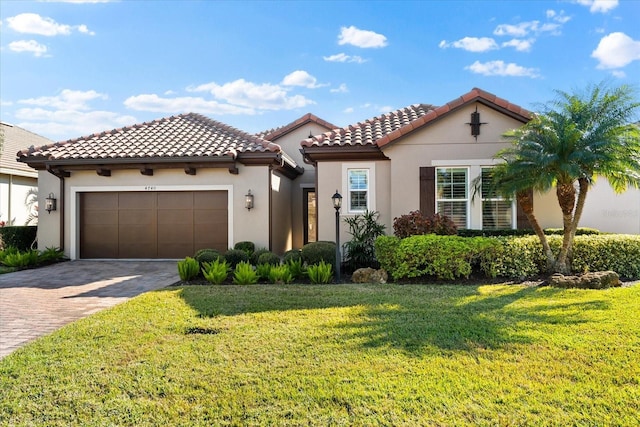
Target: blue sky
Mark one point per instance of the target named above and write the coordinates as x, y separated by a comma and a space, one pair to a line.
71, 68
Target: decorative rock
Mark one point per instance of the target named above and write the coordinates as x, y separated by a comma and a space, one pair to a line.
369, 275
595, 280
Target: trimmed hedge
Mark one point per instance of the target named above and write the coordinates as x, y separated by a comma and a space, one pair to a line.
235, 257
207, 255
248, 247
314, 253
450, 257
20, 237
268, 258
291, 254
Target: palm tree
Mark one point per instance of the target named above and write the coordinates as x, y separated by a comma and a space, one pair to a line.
576, 137
31, 202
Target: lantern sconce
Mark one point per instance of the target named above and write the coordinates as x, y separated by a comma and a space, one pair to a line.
475, 124
50, 203
248, 200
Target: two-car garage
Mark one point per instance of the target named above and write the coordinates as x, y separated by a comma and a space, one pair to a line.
151, 224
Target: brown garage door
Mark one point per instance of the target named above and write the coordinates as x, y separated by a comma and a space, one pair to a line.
171, 224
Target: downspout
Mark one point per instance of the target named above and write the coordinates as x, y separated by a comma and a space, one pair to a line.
61, 208
270, 209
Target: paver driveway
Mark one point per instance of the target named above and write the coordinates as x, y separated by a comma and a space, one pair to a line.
36, 302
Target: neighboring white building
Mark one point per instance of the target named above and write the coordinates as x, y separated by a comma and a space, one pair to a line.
17, 178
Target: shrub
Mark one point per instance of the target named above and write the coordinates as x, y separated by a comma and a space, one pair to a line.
256, 255
216, 272
207, 255
263, 270
19, 237
50, 255
387, 252
235, 257
244, 274
416, 223
10, 250
248, 247
269, 258
21, 259
280, 274
364, 230
580, 231
314, 253
291, 254
188, 269
297, 268
320, 273
616, 252
468, 232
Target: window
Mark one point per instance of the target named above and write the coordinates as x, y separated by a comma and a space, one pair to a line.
497, 213
358, 190
452, 194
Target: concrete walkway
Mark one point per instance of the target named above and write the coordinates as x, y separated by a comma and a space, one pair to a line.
36, 302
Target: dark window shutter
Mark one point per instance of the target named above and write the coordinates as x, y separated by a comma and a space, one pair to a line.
521, 220
428, 190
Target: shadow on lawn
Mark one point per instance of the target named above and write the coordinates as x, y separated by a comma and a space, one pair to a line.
411, 318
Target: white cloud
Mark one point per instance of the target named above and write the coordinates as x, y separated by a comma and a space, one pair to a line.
500, 68
601, 6
340, 89
619, 74
361, 38
518, 30
67, 100
519, 44
69, 123
343, 57
32, 23
30, 46
301, 78
264, 96
348, 110
471, 44
154, 103
385, 109
616, 50
522, 29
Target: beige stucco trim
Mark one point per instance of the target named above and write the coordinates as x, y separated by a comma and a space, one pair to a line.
75, 207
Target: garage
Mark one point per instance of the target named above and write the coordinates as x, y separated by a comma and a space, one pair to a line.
152, 224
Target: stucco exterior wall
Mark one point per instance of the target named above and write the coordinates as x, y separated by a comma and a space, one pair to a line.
244, 225
13, 193
611, 212
281, 237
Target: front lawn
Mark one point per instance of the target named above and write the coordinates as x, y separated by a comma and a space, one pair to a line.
337, 355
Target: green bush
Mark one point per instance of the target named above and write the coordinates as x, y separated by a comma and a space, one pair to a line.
580, 231
207, 255
263, 270
387, 252
320, 273
19, 237
280, 274
21, 259
513, 257
291, 254
297, 268
269, 258
616, 252
364, 229
50, 255
188, 269
467, 232
245, 274
256, 255
415, 223
235, 257
314, 253
10, 250
215, 272
248, 247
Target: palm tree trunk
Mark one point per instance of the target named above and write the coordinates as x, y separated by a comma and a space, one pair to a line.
582, 197
566, 194
525, 200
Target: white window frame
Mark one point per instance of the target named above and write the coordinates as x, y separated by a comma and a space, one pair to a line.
466, 200
370, 168
496, 198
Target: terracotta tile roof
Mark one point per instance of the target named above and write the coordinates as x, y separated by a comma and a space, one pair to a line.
275, 133
185, 135
15, 139
371, 130
387, 128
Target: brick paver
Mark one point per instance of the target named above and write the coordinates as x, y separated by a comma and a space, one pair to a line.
36, 302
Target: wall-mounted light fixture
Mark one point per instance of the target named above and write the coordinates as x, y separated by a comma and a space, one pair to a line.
475, 124
248, 200
50, 203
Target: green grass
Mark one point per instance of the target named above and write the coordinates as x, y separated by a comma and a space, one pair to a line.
337, 355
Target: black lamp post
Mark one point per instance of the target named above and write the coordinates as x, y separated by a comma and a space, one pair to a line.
337, 203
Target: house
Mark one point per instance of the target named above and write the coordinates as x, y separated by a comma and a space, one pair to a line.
166, 188
17, 180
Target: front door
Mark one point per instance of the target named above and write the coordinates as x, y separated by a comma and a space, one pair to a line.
310, 215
